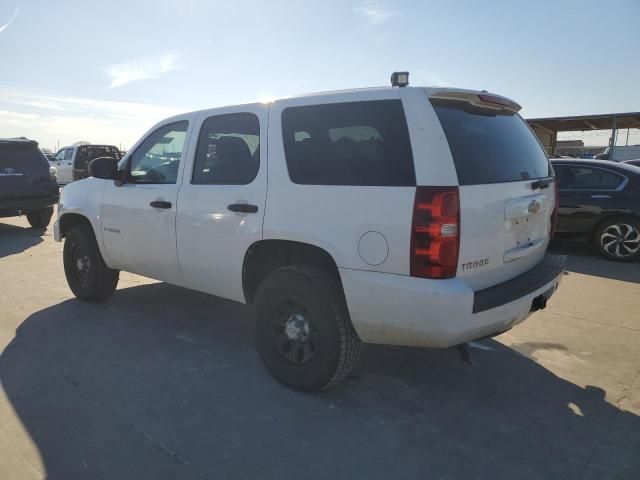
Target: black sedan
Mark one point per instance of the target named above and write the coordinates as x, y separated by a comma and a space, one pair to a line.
600, 200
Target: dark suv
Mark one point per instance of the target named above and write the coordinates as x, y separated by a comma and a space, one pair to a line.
27, 184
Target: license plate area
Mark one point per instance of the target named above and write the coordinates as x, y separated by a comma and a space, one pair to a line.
526, 224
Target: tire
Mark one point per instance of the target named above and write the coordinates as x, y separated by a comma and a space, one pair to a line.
41, 218
618, 238
87, 275
302, 328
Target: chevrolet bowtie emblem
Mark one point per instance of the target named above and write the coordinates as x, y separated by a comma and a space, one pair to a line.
534, 207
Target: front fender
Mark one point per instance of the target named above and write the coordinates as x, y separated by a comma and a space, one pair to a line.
83, 198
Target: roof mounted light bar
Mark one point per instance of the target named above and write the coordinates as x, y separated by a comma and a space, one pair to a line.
399, 79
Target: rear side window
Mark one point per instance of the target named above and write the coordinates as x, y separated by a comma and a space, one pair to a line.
585, 178
488, 146
357, 143
228, 150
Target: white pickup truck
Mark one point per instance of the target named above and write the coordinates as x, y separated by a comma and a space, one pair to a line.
405, 216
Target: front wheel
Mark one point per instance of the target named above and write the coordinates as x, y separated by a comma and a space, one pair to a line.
302, 328
87, 275
41, 218
619, 239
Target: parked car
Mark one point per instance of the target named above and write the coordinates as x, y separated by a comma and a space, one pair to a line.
620, 153
27, 184
600, 201
635, 162
404, 216
71, 162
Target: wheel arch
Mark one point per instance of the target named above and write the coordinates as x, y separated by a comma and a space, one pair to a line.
265, 256
71, 219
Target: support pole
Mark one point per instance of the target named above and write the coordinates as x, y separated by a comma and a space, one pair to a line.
612, 141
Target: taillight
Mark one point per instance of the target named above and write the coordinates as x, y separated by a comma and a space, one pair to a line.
554, 213
435, 232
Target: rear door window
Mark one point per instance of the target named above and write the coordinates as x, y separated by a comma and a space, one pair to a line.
489, 146
586, 178
356, 143
228, 150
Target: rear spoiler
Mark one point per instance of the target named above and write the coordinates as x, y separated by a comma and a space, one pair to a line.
478, 99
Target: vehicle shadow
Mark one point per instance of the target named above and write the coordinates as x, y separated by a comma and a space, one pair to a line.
583, 258
161, 382
15, 239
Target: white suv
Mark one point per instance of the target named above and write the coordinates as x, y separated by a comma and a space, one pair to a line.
403, 216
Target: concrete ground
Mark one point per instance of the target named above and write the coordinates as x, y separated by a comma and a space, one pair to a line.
164, 383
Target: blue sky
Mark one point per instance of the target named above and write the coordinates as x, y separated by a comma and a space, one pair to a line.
106, 71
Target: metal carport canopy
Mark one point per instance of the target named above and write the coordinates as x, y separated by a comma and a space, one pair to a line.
587, 122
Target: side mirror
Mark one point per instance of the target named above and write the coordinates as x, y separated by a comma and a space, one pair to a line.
104, 167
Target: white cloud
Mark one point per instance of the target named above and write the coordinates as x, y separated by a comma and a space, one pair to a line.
374, 12
13, 17
45, 105
18, 115
9, 119
141, 69
50, 119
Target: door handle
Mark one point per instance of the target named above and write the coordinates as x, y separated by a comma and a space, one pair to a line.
243, 208
600, 196
160, 204
68, 163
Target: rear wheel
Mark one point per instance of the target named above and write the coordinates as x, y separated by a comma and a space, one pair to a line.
302, 328
87, 275
41, 218
619, 239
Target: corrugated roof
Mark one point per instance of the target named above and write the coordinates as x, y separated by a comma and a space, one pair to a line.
587, 122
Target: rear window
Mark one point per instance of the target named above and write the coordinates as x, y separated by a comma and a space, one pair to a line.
20, 158
356, 143
87, 153
490, 147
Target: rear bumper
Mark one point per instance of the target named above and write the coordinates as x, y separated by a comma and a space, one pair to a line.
402, 310
16, 205
542, 274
